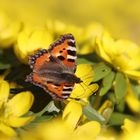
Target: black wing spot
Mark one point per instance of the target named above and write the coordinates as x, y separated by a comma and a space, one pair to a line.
65, 94
71, 60
61, 57
56, 84
68, 89
60, 51
49, 82
71, 44
73, 53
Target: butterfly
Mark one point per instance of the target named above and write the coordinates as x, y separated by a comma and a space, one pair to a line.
54, 69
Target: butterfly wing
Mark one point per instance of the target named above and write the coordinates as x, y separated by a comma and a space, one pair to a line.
60, 92
65, 50
37, 60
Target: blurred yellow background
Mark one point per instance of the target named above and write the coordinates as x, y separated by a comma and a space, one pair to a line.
120, 17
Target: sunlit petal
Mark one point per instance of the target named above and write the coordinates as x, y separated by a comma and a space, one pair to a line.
133, 74
89, 130
132, 101
82, 91
72, 113
129, 126
4, 91
20, 104
18, 122
85, 72
7, 130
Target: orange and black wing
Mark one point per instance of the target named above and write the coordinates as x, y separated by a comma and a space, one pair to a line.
65, 50
59, 92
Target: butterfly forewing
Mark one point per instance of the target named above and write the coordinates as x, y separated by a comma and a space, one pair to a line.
65, 50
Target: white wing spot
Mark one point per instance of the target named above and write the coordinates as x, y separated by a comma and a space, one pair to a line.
72, 57
71, 48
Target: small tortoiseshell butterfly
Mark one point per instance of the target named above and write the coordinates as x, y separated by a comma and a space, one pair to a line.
53, 69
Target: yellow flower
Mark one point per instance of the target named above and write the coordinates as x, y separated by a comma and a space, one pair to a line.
9, 29
132, 101
129, 126
56, 27
131, 130
12, 111
31, 39
58, 130
88, 131
73, 109
107, 134
122, 54
90, 33
85, 37
4, 137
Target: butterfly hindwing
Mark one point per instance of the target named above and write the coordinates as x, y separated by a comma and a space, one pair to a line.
62, 91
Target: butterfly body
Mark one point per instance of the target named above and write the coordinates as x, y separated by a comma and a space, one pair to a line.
53, 69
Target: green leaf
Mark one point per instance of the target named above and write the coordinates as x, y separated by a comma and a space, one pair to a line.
121, 106
4, 66
111, 96
100, 71
136, 88
84, 61
38, 120
120, 86
43, 118
1, 51
118, 118
107, 83
92, 114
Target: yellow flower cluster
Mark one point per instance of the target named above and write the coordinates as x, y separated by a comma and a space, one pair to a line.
27, 37
58, 130
122, 54
109, 95
12, 110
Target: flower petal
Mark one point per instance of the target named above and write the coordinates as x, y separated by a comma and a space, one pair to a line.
134, 74
9, 29
89, 130
18, 122
129, 126
104, 44
85, 72
72, 113
132, 101
7, 130
83, 91
4, 91
31, 39
20, 103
